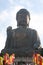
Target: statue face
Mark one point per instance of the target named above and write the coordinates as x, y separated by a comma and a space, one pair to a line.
23, 19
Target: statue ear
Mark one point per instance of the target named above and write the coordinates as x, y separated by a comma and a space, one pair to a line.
9, 31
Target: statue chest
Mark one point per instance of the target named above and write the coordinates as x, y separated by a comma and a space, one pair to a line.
21, 38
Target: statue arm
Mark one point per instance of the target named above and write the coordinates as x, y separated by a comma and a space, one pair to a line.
36, 41
9, 34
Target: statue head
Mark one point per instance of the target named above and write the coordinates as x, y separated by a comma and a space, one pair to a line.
23, 17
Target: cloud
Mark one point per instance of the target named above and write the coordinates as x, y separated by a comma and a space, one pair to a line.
2, 41
41, 1
26, 3
11, 1
3, 15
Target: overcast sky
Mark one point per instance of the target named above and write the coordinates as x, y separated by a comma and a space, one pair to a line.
8, 10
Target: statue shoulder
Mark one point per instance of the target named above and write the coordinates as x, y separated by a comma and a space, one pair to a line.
34, 33
32, 30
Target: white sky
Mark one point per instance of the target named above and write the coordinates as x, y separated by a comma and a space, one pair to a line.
8, 10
